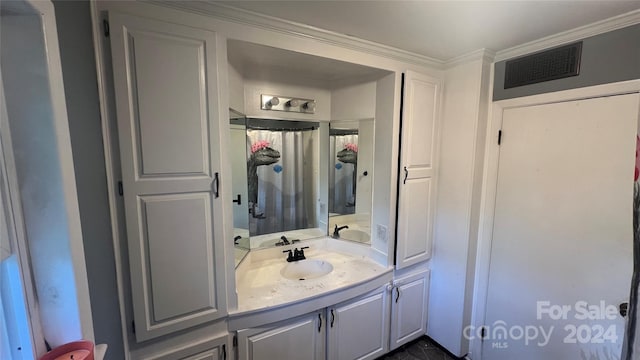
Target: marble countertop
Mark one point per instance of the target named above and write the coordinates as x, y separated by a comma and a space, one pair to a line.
261, 287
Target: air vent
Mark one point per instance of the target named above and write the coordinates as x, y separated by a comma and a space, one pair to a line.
548, 65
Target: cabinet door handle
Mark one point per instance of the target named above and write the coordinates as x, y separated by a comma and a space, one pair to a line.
332, 317
224, 352
216, 186
238, 200
406, 175
397, 294
319, 322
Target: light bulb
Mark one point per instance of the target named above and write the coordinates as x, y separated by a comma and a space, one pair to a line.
309, 105
274, 101
293, 103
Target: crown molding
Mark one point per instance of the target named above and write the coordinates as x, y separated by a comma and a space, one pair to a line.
485, 55
596, 28
291, 28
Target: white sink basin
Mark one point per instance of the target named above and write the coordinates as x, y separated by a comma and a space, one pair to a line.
306, 269
355, 235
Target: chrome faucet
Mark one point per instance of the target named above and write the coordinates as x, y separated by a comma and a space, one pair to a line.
336, 231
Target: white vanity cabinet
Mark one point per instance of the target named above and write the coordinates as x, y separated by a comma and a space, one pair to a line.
354, 329
417, 178
359, 329
299, 338
169, 125
409, 305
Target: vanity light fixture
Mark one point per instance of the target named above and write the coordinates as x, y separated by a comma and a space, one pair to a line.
288, 104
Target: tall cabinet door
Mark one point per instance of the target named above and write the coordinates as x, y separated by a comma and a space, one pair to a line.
165, 79
418, 154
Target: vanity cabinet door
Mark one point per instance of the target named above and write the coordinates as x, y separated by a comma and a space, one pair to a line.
409, 301
359, 329
168, 116
302, 338
213, 354
418, 156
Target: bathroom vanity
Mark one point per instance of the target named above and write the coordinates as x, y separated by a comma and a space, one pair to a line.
341, 306
310, 158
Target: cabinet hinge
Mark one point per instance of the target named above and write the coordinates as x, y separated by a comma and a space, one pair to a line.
235, 340
133, 327
499, 137
105, 27
120, 188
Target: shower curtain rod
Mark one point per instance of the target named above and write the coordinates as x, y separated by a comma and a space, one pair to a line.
280, 125
340, 132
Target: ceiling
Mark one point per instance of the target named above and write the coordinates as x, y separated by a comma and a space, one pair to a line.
259, 61
444, 29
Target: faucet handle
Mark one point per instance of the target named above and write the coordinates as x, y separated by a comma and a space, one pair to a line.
290, 256
301, 253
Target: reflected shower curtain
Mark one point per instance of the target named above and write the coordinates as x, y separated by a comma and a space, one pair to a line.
631, 346
281, 201
342, 195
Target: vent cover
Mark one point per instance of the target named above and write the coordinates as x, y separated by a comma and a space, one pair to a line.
548, 65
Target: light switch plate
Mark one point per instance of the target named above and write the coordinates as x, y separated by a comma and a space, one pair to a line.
381, 233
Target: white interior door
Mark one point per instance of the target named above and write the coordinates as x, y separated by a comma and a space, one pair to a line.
562, 236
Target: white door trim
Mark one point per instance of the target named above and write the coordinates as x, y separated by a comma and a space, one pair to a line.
490, 181
106, 118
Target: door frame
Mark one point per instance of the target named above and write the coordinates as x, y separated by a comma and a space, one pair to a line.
490, 184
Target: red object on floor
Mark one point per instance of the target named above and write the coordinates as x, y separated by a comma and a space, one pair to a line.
76, 350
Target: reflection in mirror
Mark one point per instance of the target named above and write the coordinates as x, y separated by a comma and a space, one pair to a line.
343, 145
238, 157
284, 190
350, 175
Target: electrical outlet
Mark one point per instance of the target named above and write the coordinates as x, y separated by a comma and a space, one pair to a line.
381, 233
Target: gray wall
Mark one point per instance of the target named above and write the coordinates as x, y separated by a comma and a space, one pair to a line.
606, 58
81, 91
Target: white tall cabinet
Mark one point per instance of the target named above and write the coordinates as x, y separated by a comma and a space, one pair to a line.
417, 180
167, 101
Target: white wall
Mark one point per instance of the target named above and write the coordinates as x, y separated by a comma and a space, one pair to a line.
274, 83
386, 143
39, 131
236, 89
460, 174
354, 102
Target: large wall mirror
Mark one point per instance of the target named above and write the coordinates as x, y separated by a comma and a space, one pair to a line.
350, 179
279, 195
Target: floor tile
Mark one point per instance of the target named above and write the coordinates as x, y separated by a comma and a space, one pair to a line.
419, 349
